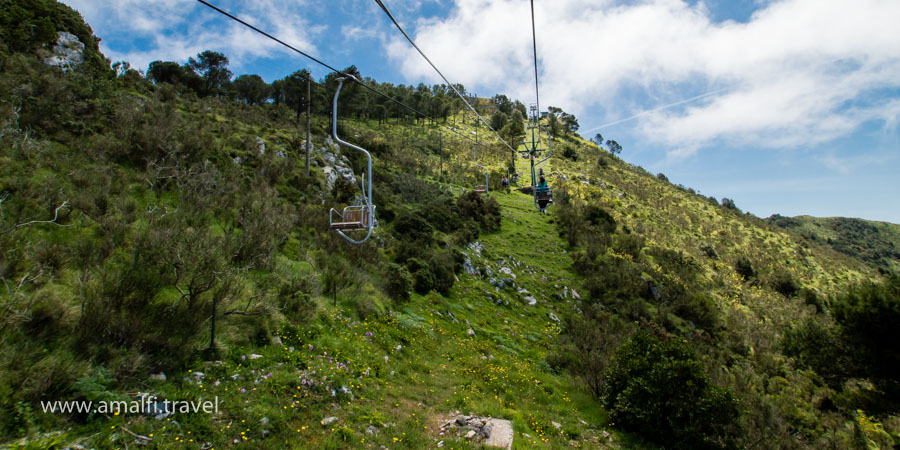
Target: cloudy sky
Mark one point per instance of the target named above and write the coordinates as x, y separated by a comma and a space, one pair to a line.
787, 106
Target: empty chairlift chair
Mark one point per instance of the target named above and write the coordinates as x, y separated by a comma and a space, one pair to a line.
357, 217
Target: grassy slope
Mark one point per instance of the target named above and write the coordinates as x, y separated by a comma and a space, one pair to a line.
439, 367
421, 363
876, 243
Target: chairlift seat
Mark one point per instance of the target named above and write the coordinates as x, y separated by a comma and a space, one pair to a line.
351, 219
481, 189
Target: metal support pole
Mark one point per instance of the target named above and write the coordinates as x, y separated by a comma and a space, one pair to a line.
308, 138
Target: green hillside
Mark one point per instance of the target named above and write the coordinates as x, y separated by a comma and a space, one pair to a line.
138, 216
876, 243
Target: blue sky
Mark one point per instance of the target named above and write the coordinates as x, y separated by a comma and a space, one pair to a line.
787, 107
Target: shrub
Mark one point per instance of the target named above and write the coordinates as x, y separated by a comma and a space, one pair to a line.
398, 282
785, 285
744, 268
869, 314
700, 309
423, 280
486, 213
413, 227
659, 389
728, 203
587, 345
818, 346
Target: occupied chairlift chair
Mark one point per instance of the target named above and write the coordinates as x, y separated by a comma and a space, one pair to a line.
543, 196
359, 217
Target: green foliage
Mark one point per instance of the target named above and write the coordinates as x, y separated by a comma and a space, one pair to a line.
744, 268
587, 346
29, 25
658, 388
817, 345
485, 212
397, 282
869, 314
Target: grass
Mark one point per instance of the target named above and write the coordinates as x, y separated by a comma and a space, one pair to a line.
397, 373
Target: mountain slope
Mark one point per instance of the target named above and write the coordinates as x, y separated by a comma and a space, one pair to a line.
875, 243
139, 218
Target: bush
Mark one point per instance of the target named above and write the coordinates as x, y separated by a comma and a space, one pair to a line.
423, 280
659, 389
398, 282
869, 314
485, 212
586, 346
744, 268
413, 227
785, 285
818, 346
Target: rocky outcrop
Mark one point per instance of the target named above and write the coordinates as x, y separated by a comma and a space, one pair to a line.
68, 52
489, 431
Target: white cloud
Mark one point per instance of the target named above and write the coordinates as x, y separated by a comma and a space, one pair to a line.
179, 29
797, 73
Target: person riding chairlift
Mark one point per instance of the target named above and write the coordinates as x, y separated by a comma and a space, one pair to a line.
504, 182
542, 183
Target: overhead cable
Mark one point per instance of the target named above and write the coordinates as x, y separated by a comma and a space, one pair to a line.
391, 16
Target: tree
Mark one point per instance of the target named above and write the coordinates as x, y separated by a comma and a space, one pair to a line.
570, 123
498, 120
251, 89
554, 123
213, 67
598, 139
613, 147
503, 103
659, 388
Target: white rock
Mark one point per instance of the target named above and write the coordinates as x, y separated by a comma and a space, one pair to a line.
329, 420
531, 300
158, 376
255, 356
500, 433
470, 434
67, 53
470, 332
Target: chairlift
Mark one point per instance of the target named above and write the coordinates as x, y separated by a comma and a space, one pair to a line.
356, 217
543, 196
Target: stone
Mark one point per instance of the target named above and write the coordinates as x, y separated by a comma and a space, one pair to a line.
67, 53
237, 160
500, 433
654, 291
371, 429
329, 420
575, 295
329, 158
531, 300
554, 318
198, 375
508, 272
556, 425
470, 332
470, 434
440, 444
158, 376
331, 176
260, 146
277, 341
280, 154
469, 268
254, 356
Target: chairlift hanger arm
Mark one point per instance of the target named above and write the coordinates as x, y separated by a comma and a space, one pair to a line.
369, 209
